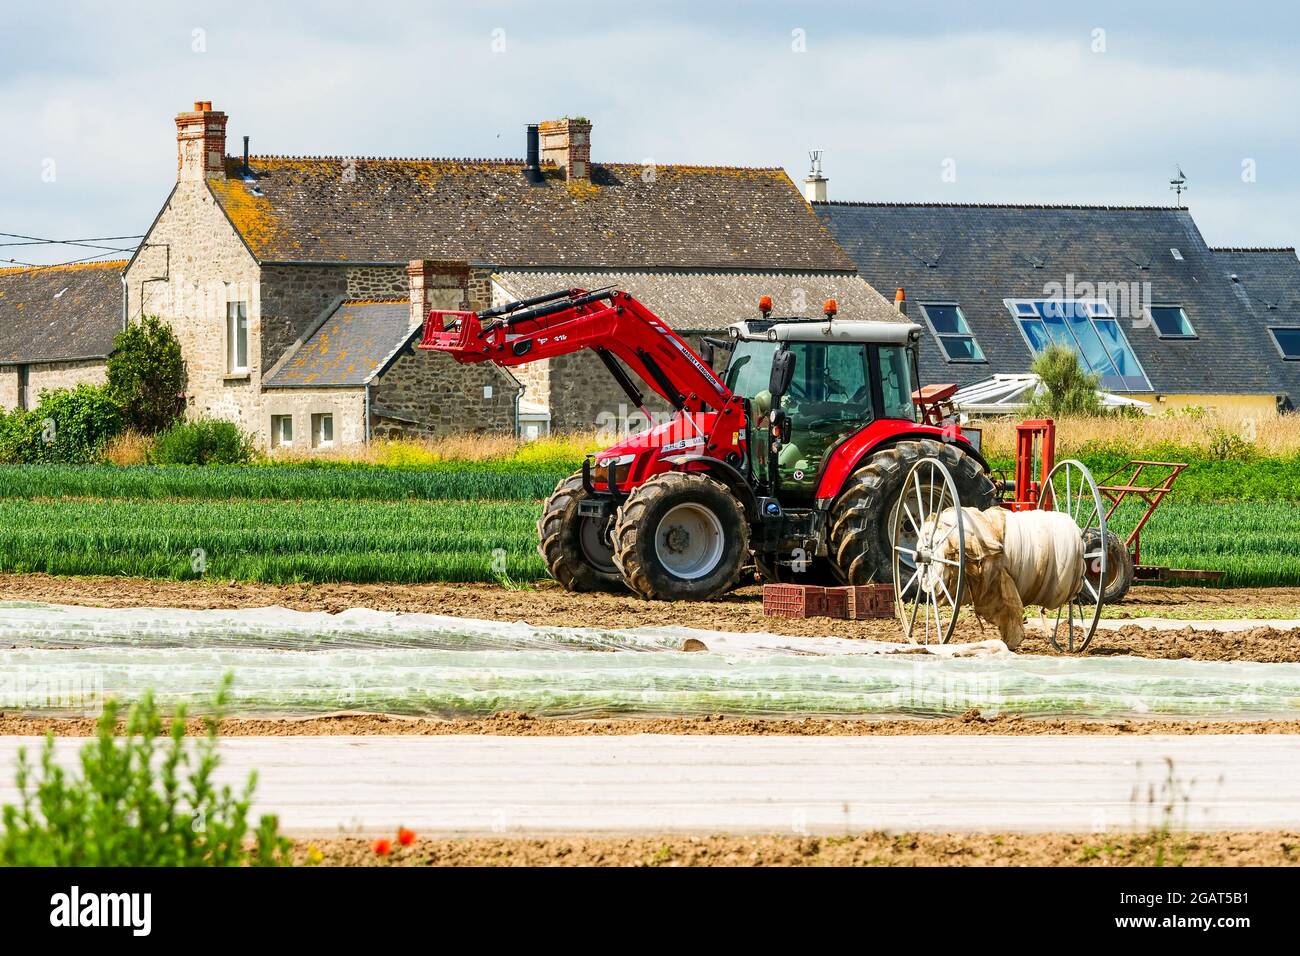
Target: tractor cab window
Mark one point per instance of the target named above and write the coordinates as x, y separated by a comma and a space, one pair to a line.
896, 382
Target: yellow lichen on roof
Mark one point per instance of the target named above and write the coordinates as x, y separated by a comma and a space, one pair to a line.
582, 189
252, 216
685, 169
118, 264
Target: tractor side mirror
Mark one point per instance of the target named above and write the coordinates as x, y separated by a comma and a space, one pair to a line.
782, 374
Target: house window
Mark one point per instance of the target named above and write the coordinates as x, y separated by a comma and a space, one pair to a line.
953, 333
1287, 342
322, 430
236, 337
1087, 326
281, 431
1171, 322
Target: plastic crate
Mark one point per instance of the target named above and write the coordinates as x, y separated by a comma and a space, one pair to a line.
868, 601
794, 600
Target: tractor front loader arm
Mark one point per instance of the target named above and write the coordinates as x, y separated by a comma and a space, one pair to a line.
608, 321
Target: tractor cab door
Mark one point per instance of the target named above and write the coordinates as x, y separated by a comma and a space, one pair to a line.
829, 398
837, 388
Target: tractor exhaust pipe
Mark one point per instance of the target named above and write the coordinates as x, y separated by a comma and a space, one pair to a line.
533, 159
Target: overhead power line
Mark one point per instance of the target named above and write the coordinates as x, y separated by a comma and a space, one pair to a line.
92, 243
36, 266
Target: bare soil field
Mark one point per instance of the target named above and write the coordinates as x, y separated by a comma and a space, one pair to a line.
868, 849
741, 610
523, 725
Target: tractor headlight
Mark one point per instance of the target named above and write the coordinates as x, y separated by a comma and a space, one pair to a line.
622, 468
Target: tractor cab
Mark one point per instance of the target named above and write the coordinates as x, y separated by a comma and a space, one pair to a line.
812, 383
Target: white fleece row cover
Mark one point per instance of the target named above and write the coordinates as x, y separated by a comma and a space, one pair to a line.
66, 660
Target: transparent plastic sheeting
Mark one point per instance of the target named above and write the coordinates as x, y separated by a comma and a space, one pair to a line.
56, 659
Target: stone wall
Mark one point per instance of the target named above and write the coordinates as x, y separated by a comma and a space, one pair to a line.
8, 388
192, 265
428, 393
46, 377
346, 405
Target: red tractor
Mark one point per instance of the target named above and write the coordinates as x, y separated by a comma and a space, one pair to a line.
791, 459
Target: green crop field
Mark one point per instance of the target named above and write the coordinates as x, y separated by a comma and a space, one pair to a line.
273, 541
461, 480
474, 522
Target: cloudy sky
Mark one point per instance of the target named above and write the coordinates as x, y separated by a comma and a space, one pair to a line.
952, 101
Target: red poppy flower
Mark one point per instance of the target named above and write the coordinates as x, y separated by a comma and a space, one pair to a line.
405, 837
382, 847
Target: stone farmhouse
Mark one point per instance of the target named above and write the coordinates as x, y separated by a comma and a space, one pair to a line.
297, 285
57, 325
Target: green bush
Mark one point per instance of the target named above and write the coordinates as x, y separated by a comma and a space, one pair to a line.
68, 427
207, 441
146, 375
1069, 390
20, 434
138, 801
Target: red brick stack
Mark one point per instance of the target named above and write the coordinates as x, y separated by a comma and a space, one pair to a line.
846, 603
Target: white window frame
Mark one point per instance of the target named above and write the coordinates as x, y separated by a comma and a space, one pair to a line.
1171, 305
278, 439
318, 420
1272, 330
236, 335
940, 336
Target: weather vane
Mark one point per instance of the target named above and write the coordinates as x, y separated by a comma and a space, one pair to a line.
1179, 185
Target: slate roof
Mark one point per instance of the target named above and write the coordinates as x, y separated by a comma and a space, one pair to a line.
977, 255
690, 300
351, 346
60, 313
332, 209
1270, 278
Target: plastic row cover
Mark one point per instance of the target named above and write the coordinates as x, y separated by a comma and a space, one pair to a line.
66, 660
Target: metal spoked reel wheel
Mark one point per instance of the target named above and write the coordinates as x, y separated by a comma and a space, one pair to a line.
1069, 488
929, 546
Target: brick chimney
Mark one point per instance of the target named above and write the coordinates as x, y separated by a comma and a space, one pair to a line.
567, 143
200, 143
437, 284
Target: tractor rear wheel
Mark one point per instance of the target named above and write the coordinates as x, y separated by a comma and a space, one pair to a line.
576, 550
862, 517
681, 537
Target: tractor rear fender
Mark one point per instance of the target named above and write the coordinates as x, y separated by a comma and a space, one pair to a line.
729, 475
854, 451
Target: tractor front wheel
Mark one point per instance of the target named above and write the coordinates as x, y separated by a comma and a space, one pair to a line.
576, 550
862, 517
681, 537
